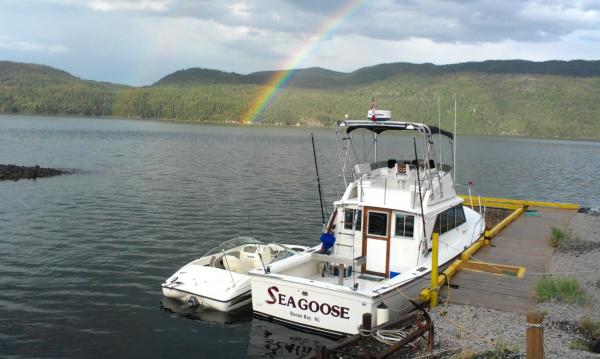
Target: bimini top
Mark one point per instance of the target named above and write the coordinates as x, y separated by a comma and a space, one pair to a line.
380, 126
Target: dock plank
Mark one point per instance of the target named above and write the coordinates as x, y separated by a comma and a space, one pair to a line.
526, 243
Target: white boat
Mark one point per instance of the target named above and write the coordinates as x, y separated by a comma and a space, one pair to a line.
381, 229
219, 280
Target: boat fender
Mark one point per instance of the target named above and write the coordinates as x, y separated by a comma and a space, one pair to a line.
383, 313
192, 302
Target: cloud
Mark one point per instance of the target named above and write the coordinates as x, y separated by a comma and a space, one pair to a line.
131, 5
33, 47
117, 5
442, 21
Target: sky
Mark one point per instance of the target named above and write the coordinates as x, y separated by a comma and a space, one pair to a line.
136, 42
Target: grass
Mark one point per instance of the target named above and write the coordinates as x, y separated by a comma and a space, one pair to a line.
502, 350
558, 237
590, 331
580, 344
589, 328
464, 354
559, 289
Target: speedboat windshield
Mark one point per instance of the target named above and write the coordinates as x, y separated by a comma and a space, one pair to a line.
232, 243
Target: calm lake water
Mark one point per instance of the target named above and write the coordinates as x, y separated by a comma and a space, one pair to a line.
83, 255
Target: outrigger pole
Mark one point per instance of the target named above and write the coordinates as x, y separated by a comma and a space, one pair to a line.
312, 137
419, 182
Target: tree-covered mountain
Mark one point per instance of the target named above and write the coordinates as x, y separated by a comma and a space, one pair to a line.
545, 99
316, 77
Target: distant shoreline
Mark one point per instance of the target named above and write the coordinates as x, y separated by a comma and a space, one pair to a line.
237, 124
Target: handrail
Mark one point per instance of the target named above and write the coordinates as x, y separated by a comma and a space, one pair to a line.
490, 201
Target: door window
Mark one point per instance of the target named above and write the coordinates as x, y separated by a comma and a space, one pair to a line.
378, 224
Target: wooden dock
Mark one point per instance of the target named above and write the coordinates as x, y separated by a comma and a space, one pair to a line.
524, 243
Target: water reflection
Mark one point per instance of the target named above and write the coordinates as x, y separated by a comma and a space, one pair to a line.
273, 340
265, 340
183, 310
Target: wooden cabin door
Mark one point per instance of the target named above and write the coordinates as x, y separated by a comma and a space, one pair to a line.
376, 240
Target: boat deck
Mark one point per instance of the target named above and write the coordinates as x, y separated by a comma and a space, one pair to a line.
526, 243
364, 282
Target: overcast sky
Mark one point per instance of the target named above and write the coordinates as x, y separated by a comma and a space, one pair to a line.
138, 41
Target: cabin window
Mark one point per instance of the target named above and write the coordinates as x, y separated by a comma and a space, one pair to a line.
405, 225
450, 219
459, 215
378, 224
349, 215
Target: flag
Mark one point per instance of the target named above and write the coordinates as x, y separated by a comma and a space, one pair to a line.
373, 118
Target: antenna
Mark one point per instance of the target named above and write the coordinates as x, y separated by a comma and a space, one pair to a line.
312, 137
454, 146
256, 245
228, 267
440, 133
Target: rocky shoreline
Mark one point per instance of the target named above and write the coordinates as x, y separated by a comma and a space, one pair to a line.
15, 173
472, 332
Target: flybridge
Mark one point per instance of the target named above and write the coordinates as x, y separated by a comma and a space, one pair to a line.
380, 126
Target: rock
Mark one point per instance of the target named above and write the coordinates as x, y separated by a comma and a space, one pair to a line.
14, 172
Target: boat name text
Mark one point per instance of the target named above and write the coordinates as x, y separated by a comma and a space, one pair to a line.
305, 304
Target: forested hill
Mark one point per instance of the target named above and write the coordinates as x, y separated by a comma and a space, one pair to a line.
543, 99
316, 77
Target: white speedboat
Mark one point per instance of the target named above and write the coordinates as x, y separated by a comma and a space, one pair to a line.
219, 279
377, 244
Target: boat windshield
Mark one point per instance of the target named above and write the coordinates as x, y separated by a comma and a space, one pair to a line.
232, 243
283, 254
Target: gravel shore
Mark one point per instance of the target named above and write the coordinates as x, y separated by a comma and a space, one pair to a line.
471, 330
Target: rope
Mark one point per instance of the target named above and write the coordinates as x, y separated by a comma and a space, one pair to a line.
533, 325
568, 272
456, 348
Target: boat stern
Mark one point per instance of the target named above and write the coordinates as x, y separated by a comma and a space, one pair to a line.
332, 311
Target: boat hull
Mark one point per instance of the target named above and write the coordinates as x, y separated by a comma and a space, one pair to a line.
222, 305
330, 311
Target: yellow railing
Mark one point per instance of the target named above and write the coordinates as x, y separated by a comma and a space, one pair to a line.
514, 203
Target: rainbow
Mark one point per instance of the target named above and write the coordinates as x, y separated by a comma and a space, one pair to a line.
265, 95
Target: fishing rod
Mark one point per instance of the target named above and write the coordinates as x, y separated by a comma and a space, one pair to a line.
256, 245
312, 137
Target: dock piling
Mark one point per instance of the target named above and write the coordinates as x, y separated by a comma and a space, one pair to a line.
535, 335
434, 270
366, 321
321, 352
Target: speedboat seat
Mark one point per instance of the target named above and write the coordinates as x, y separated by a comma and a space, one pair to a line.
234, 264
249, 255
